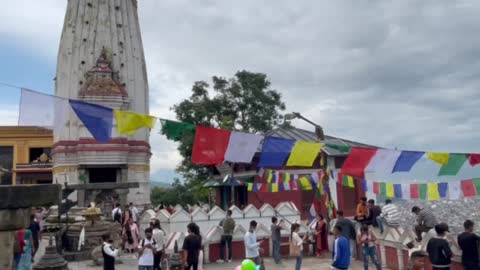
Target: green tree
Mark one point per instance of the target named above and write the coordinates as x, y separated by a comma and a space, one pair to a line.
245, 103
178, 193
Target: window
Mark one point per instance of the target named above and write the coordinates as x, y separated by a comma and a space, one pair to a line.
6, 165
36, 152
102, 175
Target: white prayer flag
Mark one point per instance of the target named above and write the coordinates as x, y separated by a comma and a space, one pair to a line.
383, 161
405, 191
369, 186
242, 147
454, 190
41, 110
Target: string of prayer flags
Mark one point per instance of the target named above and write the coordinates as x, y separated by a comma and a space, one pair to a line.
304, 154
357, 161
455, 163
174, 130
440, 158
474, 159
97, 119
129, 122
242, 147
433, 194
406, 160
210, 145
38, 109
275, 151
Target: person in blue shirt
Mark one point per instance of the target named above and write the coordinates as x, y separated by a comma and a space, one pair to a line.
341, 250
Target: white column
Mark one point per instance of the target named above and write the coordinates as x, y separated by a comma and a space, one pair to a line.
400, 258
207, 253
383, 255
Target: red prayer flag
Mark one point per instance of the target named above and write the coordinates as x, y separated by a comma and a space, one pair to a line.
414, 193
474, 159
210, 145
280, 178
293, 185
376, 188
468, 188
357, 161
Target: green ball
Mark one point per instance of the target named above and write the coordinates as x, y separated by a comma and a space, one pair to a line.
248, 265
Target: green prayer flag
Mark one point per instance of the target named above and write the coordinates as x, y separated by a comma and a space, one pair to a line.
345, 180
422, 190
455, 163
476, 182
341, 148
383, 189
174, 130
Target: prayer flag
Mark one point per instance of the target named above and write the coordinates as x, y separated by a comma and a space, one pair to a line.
286, 186
97, 119
364, 185
174, 130
454, 190
433, 194
340, 148
383, 189
390, 190
369, 186
474, 159
304, 154
257, 187
312, 213
468, 188
397, 190
281, 187
414, 192
129, 122
242, 147
406, 160
455, 163
293, 185
250, 186
422, 190
275, 151
286, 177
440, 158
305, 184
210, 145
442, 189
348, 181
269, 176
357, 161
275, 187
42, 110
383, 161
406, 191
476, 182
376, 188
261, 173
265, 187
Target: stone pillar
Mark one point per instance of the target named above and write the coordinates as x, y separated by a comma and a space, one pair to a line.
383, 255
400, 258
206, 249
6, 244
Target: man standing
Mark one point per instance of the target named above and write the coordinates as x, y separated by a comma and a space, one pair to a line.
425, 221
468, 242
373, 212
36, 234
134, 211
347, 230
341, 250
390, 216
252, 247
117, 214
276, 228
228, 225
146, 249
362, 210
109, 253
438, 249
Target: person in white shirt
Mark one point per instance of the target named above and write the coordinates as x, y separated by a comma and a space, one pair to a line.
159, 237
252, 247
390, 216
134, 212
146, 249
117, 214
109, 253
297, 243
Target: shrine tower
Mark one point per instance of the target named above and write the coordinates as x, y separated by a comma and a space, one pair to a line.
101, 61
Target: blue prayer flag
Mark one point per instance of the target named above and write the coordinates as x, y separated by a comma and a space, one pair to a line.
406, 160
275, 151
397, 189
442, 189
97, 119
364, 185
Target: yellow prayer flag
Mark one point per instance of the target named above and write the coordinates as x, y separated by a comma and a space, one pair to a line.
304, 153
390, 191
440, 158
433, 194
350, 181
129, 122
305, 183
275, 187
250, 186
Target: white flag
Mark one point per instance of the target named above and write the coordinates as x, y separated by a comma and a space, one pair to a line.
406, 191
454, 190
369, 186
383, 161
41, 110
242, 147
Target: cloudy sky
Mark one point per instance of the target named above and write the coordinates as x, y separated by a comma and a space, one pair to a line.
402, 74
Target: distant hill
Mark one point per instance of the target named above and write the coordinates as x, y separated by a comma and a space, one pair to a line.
159, 184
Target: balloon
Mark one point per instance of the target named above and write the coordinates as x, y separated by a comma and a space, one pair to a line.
248, 265
239, 267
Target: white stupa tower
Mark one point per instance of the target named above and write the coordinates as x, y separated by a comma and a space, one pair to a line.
101, 60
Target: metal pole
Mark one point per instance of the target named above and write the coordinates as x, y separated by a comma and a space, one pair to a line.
232, 187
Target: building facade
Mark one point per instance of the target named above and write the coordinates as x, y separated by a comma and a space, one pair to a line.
25, 155
101, 61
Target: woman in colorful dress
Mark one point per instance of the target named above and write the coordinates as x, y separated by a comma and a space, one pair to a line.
25, 261
321, 236
131, 235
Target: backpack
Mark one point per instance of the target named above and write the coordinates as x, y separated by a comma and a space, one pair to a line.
19, 244
117, 216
